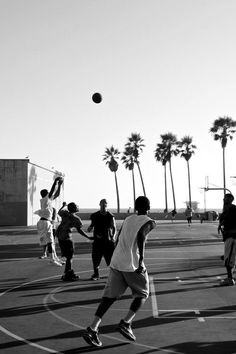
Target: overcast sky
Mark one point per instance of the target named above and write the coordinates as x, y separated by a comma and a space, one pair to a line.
160, 65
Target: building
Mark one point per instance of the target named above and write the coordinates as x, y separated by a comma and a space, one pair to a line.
20, 185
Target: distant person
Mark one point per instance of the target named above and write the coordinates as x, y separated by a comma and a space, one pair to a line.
104, 231
172, 214
45, 224
189, 215
227, 226
127, 270
69, 220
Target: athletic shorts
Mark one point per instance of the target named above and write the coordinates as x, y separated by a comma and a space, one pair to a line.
230, 252
118, 282
67, 248
45, 232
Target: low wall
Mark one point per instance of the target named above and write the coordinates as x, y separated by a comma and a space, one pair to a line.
155, 216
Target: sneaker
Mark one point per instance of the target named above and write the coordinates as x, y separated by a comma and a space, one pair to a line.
227, 282
70, 276
60, 261
91, 337
94, 277
56, 263
125, 329
43, 257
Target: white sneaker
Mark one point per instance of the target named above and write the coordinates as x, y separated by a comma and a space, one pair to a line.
60, 261
54, 262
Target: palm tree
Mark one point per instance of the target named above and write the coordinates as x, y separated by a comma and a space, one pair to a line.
111, 157
222, 130
186, 151
135, 147
160, 155
170, 144
128, 161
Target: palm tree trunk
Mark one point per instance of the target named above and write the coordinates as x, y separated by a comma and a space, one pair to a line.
172, 185
166, 208
141, 177
133, 187
189, 186
117, 194
224, 170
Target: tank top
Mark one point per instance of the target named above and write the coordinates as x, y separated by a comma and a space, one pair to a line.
126, 255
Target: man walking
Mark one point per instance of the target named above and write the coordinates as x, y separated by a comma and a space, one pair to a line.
127, 269
104, 231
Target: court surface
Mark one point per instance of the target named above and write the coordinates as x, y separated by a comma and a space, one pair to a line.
187, 312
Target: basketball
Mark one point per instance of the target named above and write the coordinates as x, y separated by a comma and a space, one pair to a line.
97, 97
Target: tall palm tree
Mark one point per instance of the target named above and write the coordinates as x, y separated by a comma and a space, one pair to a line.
160, 156
222, 131
186, 151
128, 160
111, 156
170, 144
135, 147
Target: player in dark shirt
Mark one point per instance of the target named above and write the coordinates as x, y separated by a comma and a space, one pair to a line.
104, 232
64, 234
227, 225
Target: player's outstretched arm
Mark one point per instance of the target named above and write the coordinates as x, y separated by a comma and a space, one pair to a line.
56, 184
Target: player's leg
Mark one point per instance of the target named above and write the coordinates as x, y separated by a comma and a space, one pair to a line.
97, 254
114, 288
139, 285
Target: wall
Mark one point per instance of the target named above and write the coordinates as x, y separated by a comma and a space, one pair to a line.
40, 178
13, 192
20, 185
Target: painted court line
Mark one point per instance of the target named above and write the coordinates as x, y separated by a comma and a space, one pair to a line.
155, 310
32, 344
51, 296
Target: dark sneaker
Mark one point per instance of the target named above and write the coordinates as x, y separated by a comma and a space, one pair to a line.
125, 329
70, 276
227, 282
94, 277
91, 337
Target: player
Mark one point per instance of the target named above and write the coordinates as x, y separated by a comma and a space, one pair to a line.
227, 225
104, 232
64, 235
44, 225
127, 269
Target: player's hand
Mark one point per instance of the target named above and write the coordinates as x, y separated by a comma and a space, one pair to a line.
141, 270
64, 204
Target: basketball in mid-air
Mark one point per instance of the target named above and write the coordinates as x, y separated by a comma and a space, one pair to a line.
97, 97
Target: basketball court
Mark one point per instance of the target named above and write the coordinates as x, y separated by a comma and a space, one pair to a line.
187, 312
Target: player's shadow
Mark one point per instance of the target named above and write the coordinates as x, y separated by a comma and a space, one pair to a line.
223, 347
63, 336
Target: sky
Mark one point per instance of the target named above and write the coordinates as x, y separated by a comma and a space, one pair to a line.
160, 65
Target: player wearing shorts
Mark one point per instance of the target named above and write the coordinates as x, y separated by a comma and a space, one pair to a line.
227, 226
69, 220
44, 225
104, 232
127, 270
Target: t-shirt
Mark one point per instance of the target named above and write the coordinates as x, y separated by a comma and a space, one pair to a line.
46, 208
228, 219
102, 225
68, 222
189, 212
126, 255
